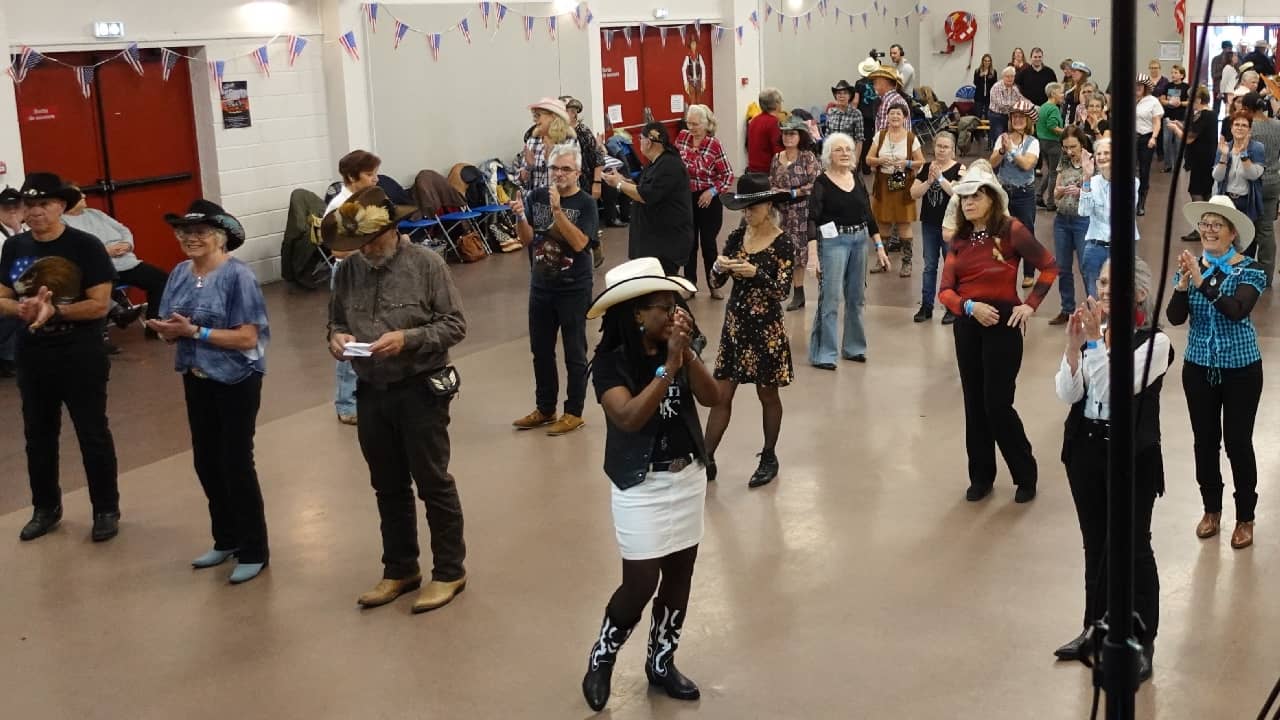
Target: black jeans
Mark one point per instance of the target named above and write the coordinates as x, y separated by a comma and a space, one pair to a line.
565, 312
706, 227
223, 419
1145, 155
614, 205
1087, 475
989, 359
404, 435
151, 280
1224, 412
74, 375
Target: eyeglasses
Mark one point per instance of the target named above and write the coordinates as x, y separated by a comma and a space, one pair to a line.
1210, 226
563, 169
668, 308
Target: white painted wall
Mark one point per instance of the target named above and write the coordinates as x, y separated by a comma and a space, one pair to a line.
10, 139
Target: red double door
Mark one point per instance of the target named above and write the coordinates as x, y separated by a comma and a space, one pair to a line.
665, 77
130, 146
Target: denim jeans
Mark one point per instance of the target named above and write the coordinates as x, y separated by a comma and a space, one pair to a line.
1050, 154
1170, 145
1095, 256
1068, 242
553, 312
999, 123
1022, 205
934, 250
344, 376
844, 271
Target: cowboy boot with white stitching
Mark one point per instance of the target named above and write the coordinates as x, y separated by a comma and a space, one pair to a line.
595, 685
664, 640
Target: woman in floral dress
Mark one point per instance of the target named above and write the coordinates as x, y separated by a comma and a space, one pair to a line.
793, 171
753, 345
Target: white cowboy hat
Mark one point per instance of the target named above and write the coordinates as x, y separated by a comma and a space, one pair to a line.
979, 174
553, 106
1222, 205
633, 279
868, 66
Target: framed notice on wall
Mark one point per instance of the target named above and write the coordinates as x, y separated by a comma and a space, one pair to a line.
1170, 50
235, 105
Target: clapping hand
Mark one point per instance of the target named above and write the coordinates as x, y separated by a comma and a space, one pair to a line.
1091, 319
1087, 166
37, 310
934, 174
517, 205
681, 336
1005, 144
1189, 267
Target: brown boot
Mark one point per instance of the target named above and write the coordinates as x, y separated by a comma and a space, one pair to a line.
438, 593
387, 590
537, 418
1209, 525
1243, 535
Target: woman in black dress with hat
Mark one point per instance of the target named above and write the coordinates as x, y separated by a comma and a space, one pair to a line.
753, 345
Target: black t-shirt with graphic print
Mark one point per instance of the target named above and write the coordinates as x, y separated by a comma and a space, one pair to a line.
553, 263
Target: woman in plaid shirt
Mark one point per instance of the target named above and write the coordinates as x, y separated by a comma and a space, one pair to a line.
1222, 367
709, 175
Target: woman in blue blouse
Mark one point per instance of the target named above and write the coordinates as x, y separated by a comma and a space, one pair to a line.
215, 312
1095, 204
1222, 368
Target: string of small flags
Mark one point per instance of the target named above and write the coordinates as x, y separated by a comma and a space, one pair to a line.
491, 16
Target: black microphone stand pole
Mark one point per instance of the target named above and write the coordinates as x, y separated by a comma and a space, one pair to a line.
1120, 651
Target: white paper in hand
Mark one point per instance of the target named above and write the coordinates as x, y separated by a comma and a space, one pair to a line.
356, 349
828, 230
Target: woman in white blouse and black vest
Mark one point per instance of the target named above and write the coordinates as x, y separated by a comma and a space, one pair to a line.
1084, 381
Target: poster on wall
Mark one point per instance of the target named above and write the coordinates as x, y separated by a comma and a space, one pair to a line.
235, 105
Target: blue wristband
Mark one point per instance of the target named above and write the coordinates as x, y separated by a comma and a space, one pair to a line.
968, 307
1091, 345
205, 333
793, 193
714, 192
660, 373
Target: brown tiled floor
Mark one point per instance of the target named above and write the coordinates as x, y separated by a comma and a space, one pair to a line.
859, 585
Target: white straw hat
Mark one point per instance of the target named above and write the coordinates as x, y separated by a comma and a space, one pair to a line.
636, 278
978, 175
1222, 205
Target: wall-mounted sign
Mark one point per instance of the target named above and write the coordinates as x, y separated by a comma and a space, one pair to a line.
235, 105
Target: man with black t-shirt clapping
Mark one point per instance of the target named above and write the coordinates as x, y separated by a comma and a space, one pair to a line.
556, 224
57, 281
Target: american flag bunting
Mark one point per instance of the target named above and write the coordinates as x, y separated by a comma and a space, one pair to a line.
168, 59
348, 43
262, 60
433, 42
465, 28
27, 59
371, 16
84, 76
296, 44
133, 57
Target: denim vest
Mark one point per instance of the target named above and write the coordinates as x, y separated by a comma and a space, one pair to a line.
627, 454
1013, 176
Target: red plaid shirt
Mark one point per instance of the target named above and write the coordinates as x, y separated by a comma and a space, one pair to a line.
707, 165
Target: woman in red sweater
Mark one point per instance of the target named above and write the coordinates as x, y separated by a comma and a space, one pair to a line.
980, 286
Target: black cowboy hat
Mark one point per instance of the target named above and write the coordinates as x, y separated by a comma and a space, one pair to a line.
206, 212
48, 186
842, 85
10, 196
753, 189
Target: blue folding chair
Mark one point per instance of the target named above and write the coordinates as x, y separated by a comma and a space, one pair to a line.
419, 231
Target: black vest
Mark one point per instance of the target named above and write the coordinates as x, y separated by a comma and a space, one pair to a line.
1146, 409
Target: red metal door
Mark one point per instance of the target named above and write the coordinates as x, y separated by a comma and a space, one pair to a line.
131, 145
667, 74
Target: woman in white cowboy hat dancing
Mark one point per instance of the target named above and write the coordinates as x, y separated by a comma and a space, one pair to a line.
647, 379
1222, 367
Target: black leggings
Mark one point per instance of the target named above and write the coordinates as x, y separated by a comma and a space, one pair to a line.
706, 227
1224, 412
640, 580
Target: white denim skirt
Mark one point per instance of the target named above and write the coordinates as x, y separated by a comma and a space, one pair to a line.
661, 515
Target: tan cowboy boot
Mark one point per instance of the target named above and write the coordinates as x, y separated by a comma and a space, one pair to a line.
387, 590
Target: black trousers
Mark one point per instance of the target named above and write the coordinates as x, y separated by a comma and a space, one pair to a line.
404, 435
989, 359
223, 419
151, 280
614, 205
565, 313
706, 228
1224, 412
1145, 155
1087, 475
74, 375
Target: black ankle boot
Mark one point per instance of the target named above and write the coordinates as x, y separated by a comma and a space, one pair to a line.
766, 471
1080, 648
797, 299
664, 639
595, 685
1146, 662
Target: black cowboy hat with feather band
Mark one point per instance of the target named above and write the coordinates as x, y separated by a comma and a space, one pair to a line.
753, 189
361, 219
206, 212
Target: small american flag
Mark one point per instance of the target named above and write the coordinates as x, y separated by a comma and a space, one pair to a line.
485, 9
1155, 7
168, 59
684, 40
401, 29
371, 15
528, 27
84, 76
348, 43
262, 60
216, 68
433, 42
755, 19
608, 39
551, 27
502, 14
132, 57
739, 31
296, 44
465, 28
626, 35
27, 59
662, 34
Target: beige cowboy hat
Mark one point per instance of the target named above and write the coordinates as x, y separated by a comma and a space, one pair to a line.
978, 175
552, 105
636, 278
868, 66
886, 72
1222, 205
